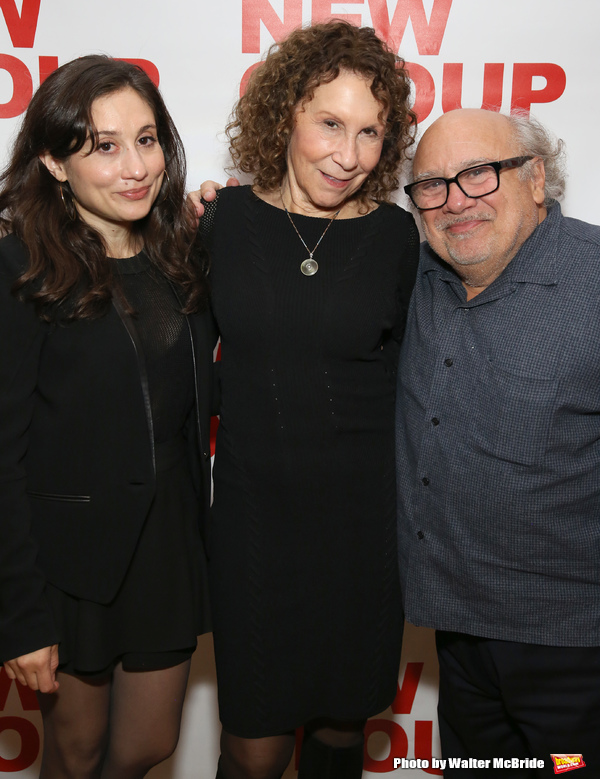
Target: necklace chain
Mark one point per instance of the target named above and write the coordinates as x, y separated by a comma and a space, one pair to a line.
309, 267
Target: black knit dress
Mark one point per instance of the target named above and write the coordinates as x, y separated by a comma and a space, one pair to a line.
303, 571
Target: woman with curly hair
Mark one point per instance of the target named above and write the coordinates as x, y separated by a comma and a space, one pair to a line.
105, 365
311, 273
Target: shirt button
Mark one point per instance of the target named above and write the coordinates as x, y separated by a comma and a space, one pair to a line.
425, 480
435, 421
448, 362
420, 535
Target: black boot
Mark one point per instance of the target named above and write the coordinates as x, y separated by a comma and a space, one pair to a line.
320, 761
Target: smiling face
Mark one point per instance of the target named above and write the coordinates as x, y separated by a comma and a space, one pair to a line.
115, 184
478, 237
336, 142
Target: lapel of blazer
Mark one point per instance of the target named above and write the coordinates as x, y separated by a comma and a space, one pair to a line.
135, 339
194, 348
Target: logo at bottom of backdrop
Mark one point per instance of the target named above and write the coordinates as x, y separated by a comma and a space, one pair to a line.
564, 763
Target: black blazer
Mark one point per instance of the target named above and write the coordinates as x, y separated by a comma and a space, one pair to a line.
77, 469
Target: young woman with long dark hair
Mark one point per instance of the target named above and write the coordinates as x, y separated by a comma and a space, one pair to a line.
105, 365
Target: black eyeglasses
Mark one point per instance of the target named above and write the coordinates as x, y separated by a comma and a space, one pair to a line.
478, 181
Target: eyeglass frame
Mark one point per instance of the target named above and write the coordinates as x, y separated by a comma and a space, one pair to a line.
510, 163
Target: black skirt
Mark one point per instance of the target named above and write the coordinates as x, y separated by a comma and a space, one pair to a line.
162, 604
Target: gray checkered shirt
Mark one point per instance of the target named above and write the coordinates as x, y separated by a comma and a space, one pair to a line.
498, 445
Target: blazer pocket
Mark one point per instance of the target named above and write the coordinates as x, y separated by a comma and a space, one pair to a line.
59, 497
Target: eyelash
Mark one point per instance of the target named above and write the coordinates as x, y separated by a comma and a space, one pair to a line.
149, 138
370, 131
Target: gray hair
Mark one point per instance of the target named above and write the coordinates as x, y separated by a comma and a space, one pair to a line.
536, 141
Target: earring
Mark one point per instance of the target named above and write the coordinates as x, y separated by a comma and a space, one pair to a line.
69, 207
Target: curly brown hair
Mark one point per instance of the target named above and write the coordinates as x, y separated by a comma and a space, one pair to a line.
68, 277
262, 120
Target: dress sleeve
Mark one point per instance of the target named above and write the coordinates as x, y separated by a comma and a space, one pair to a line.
206, 227
208, 219
25, 620
409, 260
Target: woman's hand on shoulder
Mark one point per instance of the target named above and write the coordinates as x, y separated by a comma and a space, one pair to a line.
36, 670
207, 191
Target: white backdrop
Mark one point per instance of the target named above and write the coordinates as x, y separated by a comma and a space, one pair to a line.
538, 54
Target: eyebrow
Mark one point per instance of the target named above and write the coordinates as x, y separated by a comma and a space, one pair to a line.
117, 132
326, 112
463, 165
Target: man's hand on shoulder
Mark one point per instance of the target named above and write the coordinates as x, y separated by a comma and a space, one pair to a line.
208, 191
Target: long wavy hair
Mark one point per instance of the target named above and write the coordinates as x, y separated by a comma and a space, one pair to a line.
68, 276
262, 120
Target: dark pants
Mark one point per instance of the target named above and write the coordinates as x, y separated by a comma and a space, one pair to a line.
505, 699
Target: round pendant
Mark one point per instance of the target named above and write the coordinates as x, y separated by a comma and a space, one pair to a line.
309, 267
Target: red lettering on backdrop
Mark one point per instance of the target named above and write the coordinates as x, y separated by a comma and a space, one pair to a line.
22, 86
23, 82
398, 744
30, 744
30, 740
405, 697
246, 76
403, 704
523, 94
424, 744
321, 12
21, 28
146, 65
424, 92
27, 696
256, 11
493, 74
428, 34
47, 65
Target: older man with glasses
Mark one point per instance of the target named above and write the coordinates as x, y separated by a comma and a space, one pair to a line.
498, 446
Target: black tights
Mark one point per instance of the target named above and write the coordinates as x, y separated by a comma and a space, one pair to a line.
116, 727
267, 758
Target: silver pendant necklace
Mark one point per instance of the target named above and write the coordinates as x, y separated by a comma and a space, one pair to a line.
309, 266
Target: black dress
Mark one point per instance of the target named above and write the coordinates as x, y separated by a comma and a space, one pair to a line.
162, 604
302, 560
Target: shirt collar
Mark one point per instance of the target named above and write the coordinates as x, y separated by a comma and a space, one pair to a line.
534, 263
